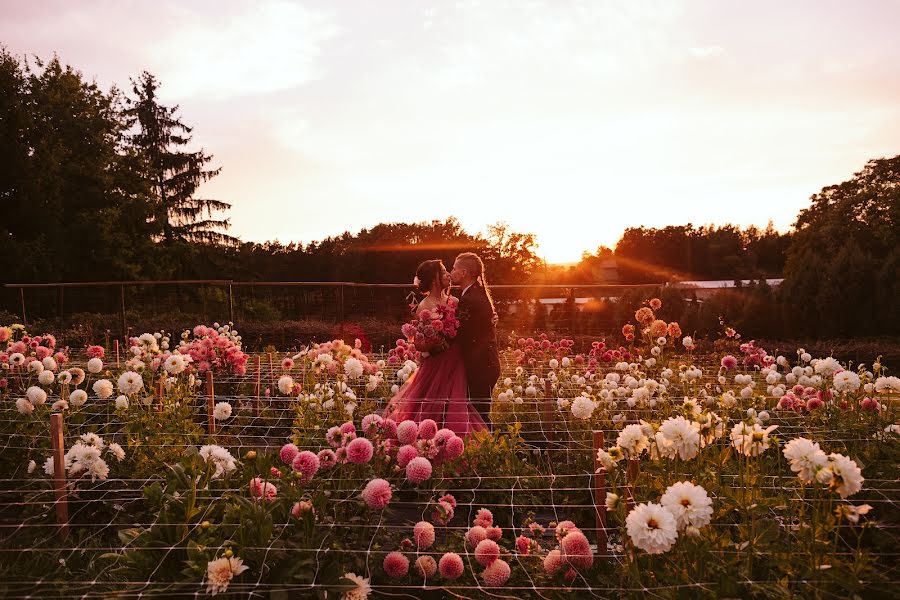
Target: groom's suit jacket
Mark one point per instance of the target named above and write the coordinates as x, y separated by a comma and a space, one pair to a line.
477, 338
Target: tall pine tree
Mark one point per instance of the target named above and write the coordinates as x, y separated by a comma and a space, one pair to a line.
174, 174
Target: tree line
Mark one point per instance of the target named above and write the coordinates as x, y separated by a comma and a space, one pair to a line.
100, 185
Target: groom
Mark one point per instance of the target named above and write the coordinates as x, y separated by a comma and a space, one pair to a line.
476, 336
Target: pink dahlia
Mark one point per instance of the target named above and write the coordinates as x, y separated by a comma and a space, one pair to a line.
427, 429
306, 463
288, 453
475, 535
327, 459
486, 552
301, 507
348, 428
449, 499
360, 451
729, 362
423, 533
454, 447
494, 532
523, 545
333, 436
371, 422
564, 528
552, 562
496, 574
377, 494
426, 566
576, 550
405, 454
450, 565
396, 565
407, 431
484, 517
262, 490
418, 470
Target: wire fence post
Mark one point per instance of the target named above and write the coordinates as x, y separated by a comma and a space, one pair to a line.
210, 403
600, 494
22, 298
124, 317
258, 389
341, 315
59, 474
230, 303
547, 410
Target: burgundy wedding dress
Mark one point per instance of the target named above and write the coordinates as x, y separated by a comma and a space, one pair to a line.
438, 390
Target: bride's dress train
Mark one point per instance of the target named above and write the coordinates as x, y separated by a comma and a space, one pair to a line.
438, 390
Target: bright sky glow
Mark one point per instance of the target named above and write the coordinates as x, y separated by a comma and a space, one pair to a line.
571, 120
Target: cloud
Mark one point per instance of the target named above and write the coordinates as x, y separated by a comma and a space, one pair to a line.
268, 47
707, 51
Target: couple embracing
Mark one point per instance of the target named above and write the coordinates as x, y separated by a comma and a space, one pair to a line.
453, 386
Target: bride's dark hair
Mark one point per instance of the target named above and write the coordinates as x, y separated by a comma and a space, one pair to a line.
427, 273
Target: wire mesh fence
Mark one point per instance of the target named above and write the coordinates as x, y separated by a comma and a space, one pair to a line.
152, 526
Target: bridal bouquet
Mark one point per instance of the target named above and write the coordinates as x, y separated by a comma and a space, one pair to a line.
432, 330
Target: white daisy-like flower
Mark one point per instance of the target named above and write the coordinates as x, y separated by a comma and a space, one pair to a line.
219, 457
117, 451
16, 359
122, 403
751, 441
24, 406
362, 589
689, 504
846, 476
88, 459
60, 405
174, 364
103, 388
846, 381
887, 384
353, 367
826, 367
49, 363
632, 441
286, 384
92, 439
64, 377
222, 411
219, 573
678, 437
46, 378
95, 365
130, 383
36, 395
583, 407
31, 466
36, 367
651, 528
805, 457
78, 397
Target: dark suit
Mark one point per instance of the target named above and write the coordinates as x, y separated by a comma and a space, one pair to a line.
477, 339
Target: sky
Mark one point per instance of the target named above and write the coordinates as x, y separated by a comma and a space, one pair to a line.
570, 120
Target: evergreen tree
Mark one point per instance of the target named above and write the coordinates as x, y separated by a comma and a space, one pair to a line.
173, 173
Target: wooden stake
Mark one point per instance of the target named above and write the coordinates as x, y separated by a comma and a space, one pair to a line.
258, 386
160, 387
59, 474
600, 494
117, 353
210, 402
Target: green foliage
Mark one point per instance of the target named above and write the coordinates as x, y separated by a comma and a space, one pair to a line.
843, 262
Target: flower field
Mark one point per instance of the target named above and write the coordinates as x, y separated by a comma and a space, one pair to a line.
646, 466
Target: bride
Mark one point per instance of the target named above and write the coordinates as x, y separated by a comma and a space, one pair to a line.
438, 389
